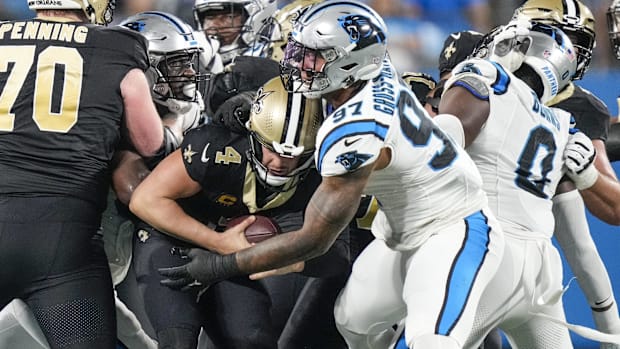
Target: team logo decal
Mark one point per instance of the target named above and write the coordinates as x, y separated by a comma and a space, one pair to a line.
226, 200
188, 153
470, 68
449, 51
352, 160
257, 106
135, 26
362, 31
143, 235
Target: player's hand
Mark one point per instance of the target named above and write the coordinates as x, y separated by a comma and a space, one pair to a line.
512, 30
293, 268
505, 42
202, 269
233, 239
235, 111
579, 158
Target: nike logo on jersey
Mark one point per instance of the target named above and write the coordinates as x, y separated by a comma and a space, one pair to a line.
348, 143
601, 302
204, 157
456, 36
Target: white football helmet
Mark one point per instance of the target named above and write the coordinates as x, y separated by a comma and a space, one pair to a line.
97, 11
348, 36
286, 124
544, 48
174, 54
573, 17
256, 25
613, 25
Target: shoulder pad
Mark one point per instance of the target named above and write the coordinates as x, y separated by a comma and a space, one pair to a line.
121, 39
480, 77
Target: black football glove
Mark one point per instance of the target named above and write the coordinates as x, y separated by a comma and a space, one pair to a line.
235, 112
204, 266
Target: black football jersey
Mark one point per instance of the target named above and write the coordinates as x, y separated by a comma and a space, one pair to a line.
590, 113
218, 159
61, 105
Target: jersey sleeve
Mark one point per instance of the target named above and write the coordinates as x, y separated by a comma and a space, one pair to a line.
344, 148
211, 153
480, 77
123, 43
591, 114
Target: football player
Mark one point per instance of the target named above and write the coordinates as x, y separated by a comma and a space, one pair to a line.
175, 52
72, 90
217, 175
243, 27
377, 140
519, 176
592, 118
613, 24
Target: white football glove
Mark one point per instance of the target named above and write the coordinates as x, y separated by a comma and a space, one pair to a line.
513, 29
504, 45
579, 158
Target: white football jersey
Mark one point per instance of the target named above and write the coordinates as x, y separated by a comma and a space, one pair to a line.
429, 183
519, 149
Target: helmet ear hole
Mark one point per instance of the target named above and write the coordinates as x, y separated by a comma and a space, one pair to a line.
524, 45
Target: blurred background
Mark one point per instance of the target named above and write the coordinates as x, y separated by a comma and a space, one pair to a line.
417, 29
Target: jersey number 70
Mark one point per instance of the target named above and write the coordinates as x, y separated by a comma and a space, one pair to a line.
22, 58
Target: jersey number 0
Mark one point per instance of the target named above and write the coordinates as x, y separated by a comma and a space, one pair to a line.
22, 58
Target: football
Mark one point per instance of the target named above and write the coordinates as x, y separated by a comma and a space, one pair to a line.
262, 229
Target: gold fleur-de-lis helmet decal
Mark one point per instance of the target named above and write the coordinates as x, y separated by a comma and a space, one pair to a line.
257, 106
447, 53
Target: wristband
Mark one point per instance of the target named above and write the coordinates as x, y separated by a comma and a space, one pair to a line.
586, 178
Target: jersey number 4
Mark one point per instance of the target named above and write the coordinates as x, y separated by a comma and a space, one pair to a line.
22, 58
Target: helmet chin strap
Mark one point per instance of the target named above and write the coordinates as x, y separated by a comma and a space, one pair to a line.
284, 183
271, 180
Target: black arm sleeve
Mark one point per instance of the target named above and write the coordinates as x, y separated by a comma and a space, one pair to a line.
613, 143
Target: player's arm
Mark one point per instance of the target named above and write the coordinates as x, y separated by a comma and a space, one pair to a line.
604, 200
142, 122
612, 145
597, 189
471, 111
129, 171
329, 211
154, 201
